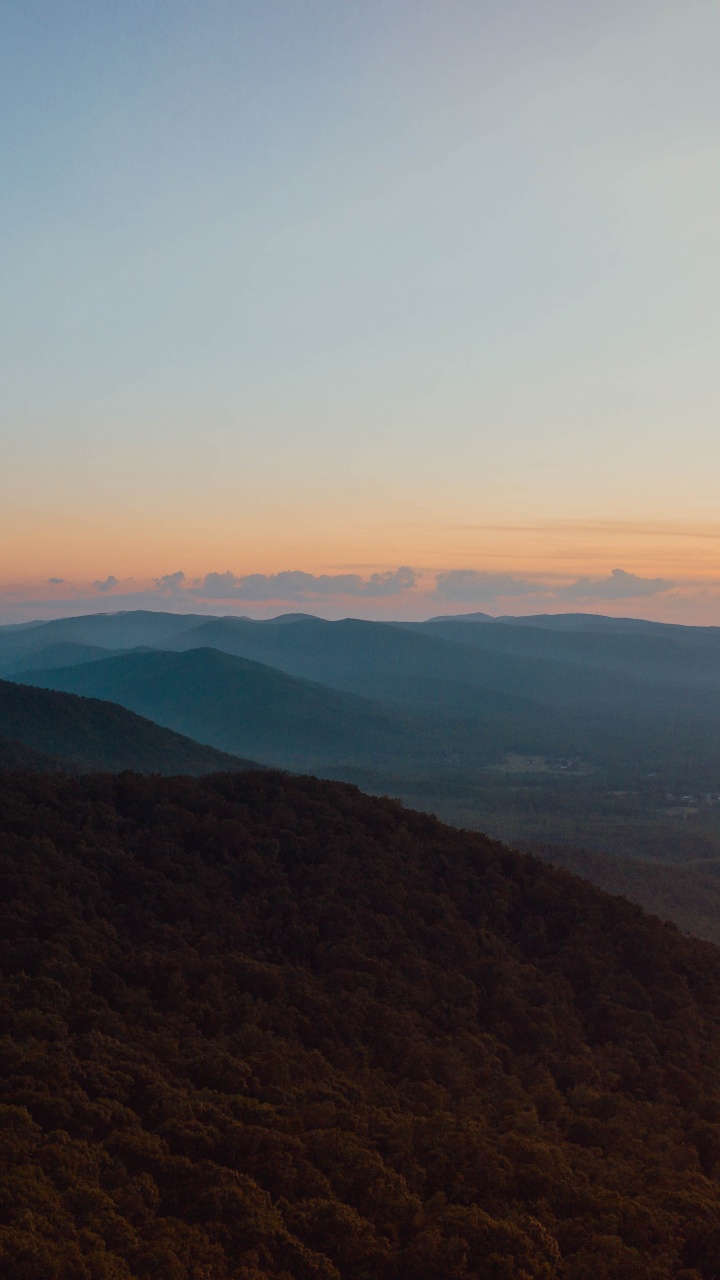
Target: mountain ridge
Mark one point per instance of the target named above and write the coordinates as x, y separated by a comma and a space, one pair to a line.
266, 1027
244, 706
65, 730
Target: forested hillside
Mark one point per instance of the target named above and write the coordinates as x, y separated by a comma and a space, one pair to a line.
687, 895
257, 1026
43, 729
16, 755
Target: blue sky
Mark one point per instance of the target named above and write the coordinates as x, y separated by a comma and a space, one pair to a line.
337, 286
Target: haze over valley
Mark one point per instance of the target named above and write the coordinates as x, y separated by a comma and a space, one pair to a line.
572, 735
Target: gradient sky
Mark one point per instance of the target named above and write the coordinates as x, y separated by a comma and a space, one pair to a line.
340, 286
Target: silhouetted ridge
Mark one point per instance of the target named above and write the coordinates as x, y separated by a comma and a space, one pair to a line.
77, 733
64, 653
266, 1028
249, 708
16, 755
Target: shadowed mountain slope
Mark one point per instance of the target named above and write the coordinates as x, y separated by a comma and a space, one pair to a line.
687, 895
86, 734
266, 1028
404, 663
623, 702
65, 653
684, 656
16, 755
108, 630
255, 710
249, 708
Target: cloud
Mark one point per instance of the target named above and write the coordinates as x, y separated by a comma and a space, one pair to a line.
55, 581
469, 586
170, 582
397, 593
620, 585
297, 585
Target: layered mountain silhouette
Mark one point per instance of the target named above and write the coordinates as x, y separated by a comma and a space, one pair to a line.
110, 630
42, 729
250, 708
17, 755
411, 664
563, 657
63, 653
651, 652
618, 700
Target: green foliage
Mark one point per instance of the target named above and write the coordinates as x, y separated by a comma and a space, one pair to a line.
261, 1027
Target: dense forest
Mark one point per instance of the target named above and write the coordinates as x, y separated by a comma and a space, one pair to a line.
263, 1027
687, 895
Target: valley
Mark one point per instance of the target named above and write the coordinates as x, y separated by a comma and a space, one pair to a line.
586, 737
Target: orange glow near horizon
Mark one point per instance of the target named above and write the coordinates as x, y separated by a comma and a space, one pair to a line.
450, 303
546, 549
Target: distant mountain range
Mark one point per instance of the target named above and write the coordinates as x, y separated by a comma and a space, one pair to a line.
456, 691
363, 657
574, 731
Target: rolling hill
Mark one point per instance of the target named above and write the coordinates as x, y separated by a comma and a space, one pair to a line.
685, 657
43, 729
247, 707
266, 1028
64, 653
406, 663
565, 660
16, 755
630, 712
108, 630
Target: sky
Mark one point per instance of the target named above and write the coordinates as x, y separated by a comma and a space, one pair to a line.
387, 308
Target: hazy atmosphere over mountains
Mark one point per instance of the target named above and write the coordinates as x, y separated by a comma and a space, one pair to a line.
359, 640
574, 735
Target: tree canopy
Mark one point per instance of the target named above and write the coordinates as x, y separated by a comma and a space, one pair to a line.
259, 1027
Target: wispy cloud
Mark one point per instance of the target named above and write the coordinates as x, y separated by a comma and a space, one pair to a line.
393, 594
619, 585
296, 585
470, 586
171, 582
214, 592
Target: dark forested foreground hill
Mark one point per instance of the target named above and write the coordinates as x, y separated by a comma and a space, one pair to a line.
43, 729
16, 755
257, 1026
687, 895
